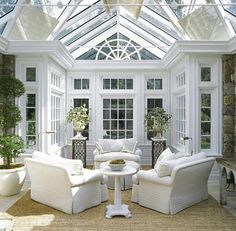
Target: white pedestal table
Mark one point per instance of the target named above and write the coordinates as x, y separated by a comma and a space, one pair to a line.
118, 208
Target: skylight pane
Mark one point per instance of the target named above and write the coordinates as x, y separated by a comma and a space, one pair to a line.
50, 6
2, 27
5, 9
230, 8
185, 7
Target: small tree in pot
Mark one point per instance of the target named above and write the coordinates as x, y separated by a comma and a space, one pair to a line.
11, 145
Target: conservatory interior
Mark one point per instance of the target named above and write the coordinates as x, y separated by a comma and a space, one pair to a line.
120, 60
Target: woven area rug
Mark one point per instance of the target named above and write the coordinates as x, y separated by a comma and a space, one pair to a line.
207, 215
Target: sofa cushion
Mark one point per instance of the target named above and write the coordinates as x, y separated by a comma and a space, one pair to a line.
165, 167
117, 155
74, 167
109, 145
103, 146
129, 146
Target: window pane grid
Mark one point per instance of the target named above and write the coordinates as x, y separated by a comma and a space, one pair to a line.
80, 102
117, 118
31, 121
151, 104
117, 84
205, 121
55, 119
180, 118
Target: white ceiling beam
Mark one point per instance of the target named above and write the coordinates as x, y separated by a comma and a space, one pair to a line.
63, 18
77, 30
69, 22
95, 41
221, 12
142, 33
172, 18
142, 42
15, 14
99, 30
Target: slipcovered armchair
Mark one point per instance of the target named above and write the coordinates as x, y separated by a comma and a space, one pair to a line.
109, 149
63, 183
180, 183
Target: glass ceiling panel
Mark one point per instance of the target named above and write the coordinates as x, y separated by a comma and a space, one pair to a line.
185, 8
2, 27
6, 7
86, 29
80, 23
53, 8
87, 19
230, 8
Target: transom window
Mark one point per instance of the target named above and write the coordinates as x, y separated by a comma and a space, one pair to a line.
117, 118
154, 84
205, 121
81, 84
117, 84
205, 74
180, 80
30, 74
55, 80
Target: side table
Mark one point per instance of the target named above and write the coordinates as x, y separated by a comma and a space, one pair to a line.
158, 146
79, 149
118, 208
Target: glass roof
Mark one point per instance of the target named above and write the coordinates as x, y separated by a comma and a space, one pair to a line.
130, 30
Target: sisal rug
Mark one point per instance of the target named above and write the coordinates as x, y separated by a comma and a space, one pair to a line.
29, 215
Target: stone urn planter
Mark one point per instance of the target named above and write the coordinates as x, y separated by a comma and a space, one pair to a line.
11, 180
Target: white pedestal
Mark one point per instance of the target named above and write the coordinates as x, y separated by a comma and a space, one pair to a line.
118, 209
122, 211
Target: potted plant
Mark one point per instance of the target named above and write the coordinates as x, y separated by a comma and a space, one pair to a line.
12, 175
157, 121
79, 117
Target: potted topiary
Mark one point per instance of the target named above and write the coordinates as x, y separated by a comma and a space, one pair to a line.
12, 175
157, 121
79, 117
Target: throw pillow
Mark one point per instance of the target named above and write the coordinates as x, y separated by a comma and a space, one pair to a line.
129, 146
165, 167
103, 146
116, 145
165, 155
75, 168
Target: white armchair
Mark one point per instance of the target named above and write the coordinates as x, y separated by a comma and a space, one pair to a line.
108, 149
183, 184
62, 183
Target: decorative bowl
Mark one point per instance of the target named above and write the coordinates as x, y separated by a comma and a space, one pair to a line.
116, 167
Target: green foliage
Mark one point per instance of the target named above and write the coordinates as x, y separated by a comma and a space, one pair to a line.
10, 88
11, 145
10, 116
157, 120
78, 116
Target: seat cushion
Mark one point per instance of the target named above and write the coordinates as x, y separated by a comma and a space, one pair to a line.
117, 155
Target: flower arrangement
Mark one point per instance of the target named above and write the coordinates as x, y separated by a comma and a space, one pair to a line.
157, 121
79, 117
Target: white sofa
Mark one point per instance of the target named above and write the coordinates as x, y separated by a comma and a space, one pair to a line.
63, 183
173, 185
109, 149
